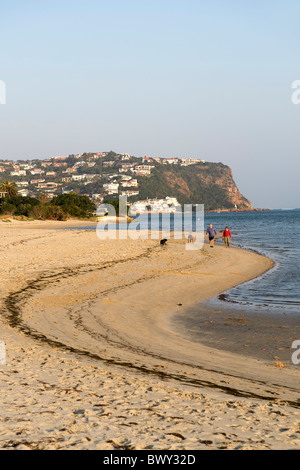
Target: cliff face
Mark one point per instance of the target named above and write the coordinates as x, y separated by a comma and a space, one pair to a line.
224, 180
211, 184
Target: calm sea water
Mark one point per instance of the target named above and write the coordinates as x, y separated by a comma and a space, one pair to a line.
275, 234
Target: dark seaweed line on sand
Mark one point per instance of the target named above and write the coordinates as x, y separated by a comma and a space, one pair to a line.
14, 318
121, 343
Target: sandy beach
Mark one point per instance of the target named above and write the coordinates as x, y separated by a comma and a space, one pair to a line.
97, 357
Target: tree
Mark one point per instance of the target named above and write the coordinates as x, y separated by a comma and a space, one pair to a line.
43, 198
116, 206
9, 188
74, 204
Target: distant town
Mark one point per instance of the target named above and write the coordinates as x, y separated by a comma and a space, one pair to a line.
96, 175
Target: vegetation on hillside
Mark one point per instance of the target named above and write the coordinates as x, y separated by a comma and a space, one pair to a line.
195, 184
87, 174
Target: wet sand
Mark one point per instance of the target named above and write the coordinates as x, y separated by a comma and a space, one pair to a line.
96, 361
257, 334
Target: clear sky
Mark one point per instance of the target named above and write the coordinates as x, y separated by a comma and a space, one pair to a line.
209, 79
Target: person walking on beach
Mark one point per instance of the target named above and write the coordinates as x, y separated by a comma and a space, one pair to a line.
226, 237
211, 235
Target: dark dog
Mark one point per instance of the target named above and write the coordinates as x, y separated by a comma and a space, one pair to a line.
163, 241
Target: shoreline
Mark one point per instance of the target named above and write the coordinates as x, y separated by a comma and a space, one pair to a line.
163, 325
260, 335
69, 302
49, 224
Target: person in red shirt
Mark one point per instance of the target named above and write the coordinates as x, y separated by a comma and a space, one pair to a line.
226, 237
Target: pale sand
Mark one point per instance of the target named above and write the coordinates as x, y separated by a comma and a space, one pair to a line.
94, 361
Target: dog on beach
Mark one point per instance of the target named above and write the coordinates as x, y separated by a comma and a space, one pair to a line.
163, 241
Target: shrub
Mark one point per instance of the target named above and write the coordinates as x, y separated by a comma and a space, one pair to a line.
74, 204
18, 205
43, 212
7, 208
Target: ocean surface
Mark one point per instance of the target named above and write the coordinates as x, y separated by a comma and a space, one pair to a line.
275, 234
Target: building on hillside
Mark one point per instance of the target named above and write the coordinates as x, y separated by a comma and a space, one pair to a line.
59, 164
18, 173
129, 184
26, 166
37, 171
143, 167
142, 172
110, 177
112, 188
170, 161
48, 185
168, 205
172, 201
190, 161
127, 166
78, 177
99, 154
129, 193
81, 163
36, 181
91, 177
23, 192
70, 169
125, 170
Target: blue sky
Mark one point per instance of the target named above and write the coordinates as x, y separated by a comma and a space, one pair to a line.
208, 79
